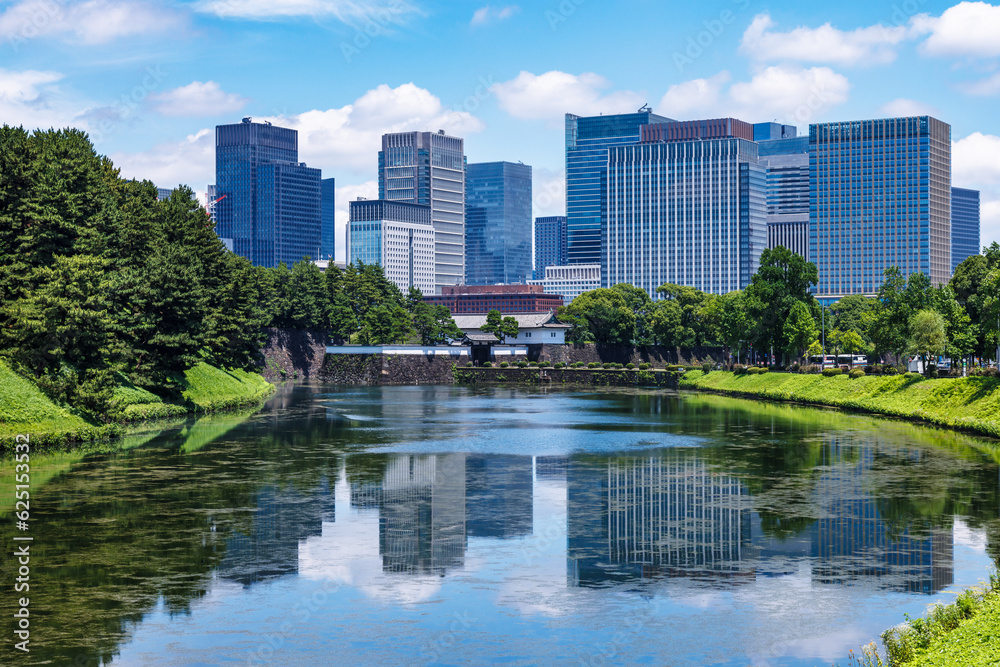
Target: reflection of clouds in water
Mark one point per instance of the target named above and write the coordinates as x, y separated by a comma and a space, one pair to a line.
967, 537
535, 584
348, 553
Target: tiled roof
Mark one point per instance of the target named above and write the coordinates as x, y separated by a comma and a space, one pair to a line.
524, 321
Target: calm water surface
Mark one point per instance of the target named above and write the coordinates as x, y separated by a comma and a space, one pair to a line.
441, 525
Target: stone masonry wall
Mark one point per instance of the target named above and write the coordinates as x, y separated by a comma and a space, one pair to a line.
293, 354
657, 355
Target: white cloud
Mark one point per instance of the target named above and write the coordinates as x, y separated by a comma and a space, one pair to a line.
793, 95
976, 164
32, 98
489, 14
690, 97
552, 94
825, 44
350, 137
984, 87
189, 162
548, 191
383, 12
87, 22
902, 108
197, 99
967, 29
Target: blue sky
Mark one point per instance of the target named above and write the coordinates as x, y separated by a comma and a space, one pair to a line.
150, 80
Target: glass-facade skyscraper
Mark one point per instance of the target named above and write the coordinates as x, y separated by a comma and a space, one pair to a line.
328, 235
686, 206
786, 157
550, 243
587, 141
268, 203
428, 168
397, 236
964, 225
497, 223
880, 196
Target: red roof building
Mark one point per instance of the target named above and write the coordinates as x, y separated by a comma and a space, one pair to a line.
478, 299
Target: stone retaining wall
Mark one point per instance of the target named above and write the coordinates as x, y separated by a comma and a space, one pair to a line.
621, 354
562, 376
292, 354
387, 369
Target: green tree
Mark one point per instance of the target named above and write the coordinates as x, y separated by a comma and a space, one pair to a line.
784, 278
800, 329
927, 334
678, 320
493, 324
850, 314
509, 328
888, 321
434, 324
386, 323
602, 316
637, 300
852, 343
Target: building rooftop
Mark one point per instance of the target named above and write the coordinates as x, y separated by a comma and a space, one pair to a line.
524, 321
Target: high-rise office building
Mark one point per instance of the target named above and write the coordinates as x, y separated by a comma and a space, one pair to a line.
328, 232
268, 203
429, 168
587, 141
550, 243
662, 228
497, 223
880, 196
570, 280
397, 236
964, 225
786, 158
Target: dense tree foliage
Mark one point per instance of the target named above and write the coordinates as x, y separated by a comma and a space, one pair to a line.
100, 280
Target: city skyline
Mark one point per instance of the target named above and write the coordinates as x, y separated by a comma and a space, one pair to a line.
195, 65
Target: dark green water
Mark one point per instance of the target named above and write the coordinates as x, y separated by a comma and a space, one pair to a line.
442, 525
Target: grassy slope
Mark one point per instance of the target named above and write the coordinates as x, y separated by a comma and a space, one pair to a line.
976, 641
968, 403
25, 409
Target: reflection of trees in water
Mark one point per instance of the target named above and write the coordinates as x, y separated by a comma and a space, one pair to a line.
118, 533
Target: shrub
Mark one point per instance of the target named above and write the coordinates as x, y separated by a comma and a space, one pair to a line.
643, 367
533, 364
522, 364
869, 369
630, 366
763, 369
578, 364
856, 373
984, 372
488, 364
618, 366
504, 364
593, 364
739, 369
606, 364
558, 365
543, 364
913, 376
831, 372
754, 370
889, 369
469, 364
706, 367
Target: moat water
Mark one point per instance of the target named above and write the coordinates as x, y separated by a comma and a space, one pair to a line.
447, 526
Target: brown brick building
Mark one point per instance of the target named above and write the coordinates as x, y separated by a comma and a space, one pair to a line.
472, 299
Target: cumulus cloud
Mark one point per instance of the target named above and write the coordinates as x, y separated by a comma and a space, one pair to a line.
489, 14
902, 108
87, 22
548, 188
550, 95
826, 44
967, 29
197, 99
984, 87
32, 98
188, 162
697, 95
384, 12
976, 165
789, 94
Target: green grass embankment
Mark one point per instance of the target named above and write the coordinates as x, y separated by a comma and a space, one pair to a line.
966, 632
965, 403
24, 409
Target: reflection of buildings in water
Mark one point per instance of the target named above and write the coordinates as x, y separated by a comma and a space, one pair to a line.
668, 515
854, 541
283, 517
421, 503
498, 496
551, 466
